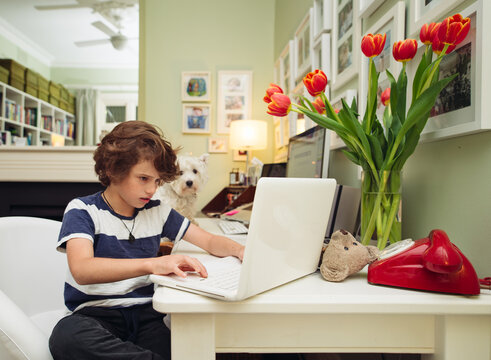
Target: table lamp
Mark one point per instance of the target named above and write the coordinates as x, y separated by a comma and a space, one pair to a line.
248, 135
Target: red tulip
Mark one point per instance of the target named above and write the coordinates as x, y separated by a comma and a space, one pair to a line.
428, 32
273, 89
404, 50
372, 45
315, 82
454, 29
385, 97
437, 46
280, 105
319, 105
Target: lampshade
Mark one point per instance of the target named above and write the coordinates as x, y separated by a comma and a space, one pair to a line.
248, 134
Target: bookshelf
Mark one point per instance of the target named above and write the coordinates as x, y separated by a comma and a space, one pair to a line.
34, 121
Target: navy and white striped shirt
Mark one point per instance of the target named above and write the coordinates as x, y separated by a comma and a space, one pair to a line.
90, 218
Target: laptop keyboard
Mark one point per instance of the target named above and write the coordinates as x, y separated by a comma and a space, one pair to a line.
227, 280
232, 227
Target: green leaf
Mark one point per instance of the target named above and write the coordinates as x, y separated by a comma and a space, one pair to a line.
401, 94
352, 156
423, 64
376, 150
351, 122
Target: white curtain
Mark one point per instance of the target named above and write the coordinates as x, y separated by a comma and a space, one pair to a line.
86, 117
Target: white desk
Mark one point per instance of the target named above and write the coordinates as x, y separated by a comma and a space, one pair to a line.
314, 315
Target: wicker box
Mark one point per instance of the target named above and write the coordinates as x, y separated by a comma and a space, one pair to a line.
71, 108
63, 105
64, 94
16, 82
31, 90
43, 94
54, 100
15, 69
4, 75
55, 90
31, 78
43, 84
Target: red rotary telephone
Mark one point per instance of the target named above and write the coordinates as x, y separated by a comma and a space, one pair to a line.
431, 264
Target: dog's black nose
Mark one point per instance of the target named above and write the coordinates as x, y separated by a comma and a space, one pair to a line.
189, 183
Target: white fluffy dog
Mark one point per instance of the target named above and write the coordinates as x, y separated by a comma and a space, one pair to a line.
181, 194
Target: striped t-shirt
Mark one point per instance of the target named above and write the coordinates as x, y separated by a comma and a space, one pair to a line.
90, 218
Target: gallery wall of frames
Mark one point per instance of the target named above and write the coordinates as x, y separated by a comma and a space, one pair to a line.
329, 37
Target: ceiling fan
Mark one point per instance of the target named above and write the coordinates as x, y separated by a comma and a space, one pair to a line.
113, 11
116, 39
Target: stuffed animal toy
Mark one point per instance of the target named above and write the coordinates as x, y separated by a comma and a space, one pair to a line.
344, 256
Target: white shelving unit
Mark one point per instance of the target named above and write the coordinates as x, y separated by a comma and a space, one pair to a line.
15, 109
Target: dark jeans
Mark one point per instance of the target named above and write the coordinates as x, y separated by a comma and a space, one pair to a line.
100, 333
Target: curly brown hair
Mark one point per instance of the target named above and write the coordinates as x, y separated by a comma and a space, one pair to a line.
130, 143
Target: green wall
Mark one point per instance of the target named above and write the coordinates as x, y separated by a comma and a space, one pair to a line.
196, 35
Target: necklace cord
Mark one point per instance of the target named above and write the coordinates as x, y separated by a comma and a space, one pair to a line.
131, 237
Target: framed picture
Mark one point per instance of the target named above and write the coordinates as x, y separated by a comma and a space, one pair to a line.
217, 145
195, 86
287, 67
426, 11
462, 106
196, 118
346, 42
240, 155
234, 98
278, 132
348, 96
303, 46
367, 7
392, 24
322, 56
322, 17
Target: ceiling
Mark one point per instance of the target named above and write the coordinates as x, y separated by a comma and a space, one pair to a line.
49, 35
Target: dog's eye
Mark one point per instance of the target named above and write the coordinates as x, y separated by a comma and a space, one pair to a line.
346, 248
354, 243
195, 171
181, 172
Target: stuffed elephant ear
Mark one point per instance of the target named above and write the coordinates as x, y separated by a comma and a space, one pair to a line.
373, 253
334, 272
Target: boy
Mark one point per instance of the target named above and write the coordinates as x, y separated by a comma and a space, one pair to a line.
111, 239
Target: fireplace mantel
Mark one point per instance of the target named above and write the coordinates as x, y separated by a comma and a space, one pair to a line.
47, 164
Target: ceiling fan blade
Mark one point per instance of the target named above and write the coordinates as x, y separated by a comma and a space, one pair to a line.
92, 42
60, 7
104, 28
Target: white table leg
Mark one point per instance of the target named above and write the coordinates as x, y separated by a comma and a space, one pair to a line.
193, 336
460, 337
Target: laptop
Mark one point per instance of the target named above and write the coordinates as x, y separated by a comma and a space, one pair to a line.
286, 233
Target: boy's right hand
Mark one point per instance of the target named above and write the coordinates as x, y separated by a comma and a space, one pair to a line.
179, 265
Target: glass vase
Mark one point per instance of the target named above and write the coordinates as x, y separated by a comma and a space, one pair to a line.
381, 207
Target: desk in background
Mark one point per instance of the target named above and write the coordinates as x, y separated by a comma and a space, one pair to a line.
314, 315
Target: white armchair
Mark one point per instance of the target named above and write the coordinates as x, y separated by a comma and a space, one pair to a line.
32, 275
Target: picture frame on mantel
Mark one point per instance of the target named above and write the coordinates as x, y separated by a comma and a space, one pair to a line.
368, 7
426, 11
346, 42
287, 71
392, 24
303, 46
322, 57
462, 107
322, 17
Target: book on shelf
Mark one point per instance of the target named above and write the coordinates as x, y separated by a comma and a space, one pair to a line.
47, 122
30, 116
13, 111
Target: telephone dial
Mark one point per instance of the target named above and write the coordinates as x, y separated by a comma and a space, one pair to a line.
431, 264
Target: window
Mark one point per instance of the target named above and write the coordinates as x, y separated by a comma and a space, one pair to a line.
115, 108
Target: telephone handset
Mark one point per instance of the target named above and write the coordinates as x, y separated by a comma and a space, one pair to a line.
431, 264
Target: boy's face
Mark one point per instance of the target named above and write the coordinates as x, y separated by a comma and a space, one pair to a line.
138, 186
